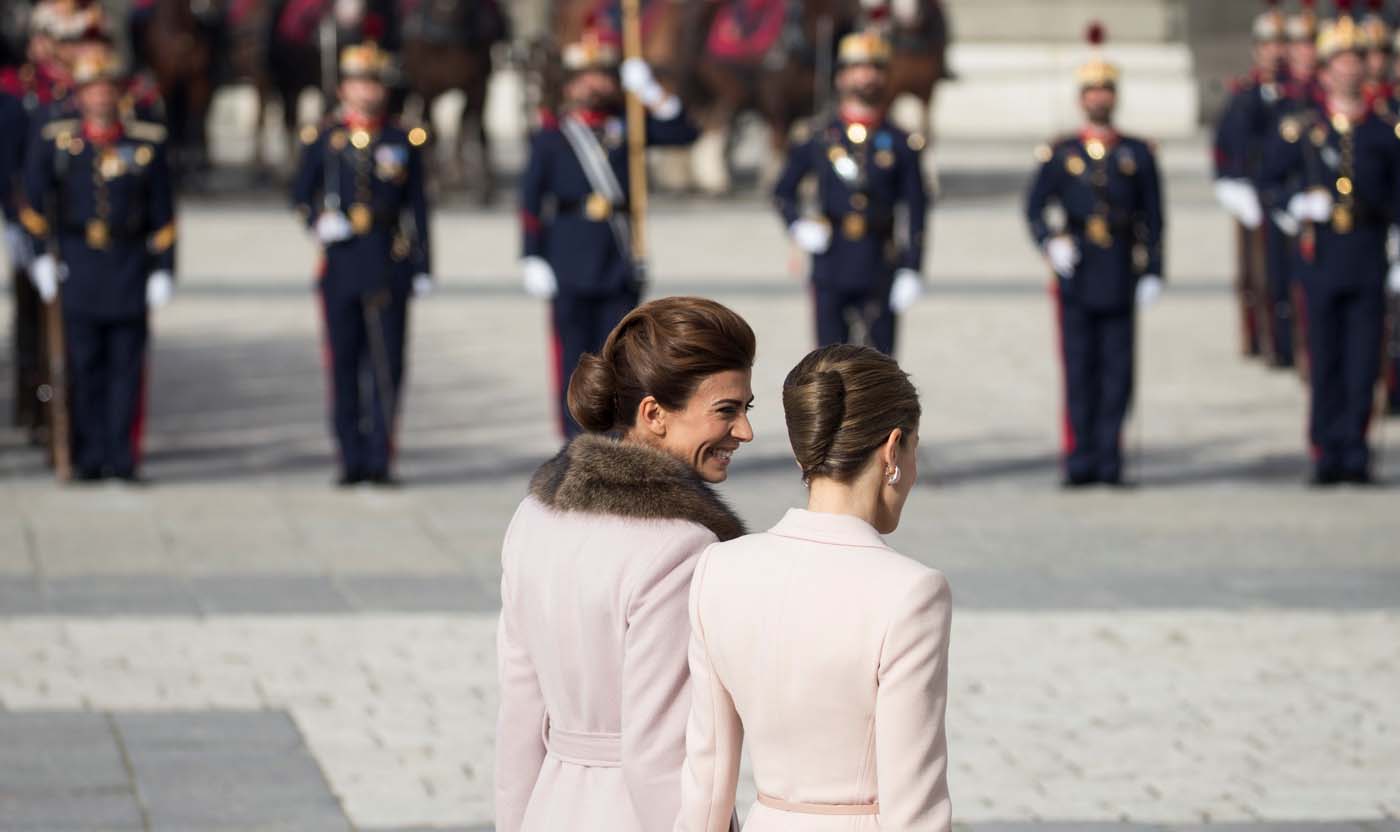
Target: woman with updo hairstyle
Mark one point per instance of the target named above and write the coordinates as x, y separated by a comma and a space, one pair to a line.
596, 570
815, 642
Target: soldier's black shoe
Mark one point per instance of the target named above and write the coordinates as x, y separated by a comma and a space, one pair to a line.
1325, 478
1077, 481
349, 478
383, 479
88, 475
1362, 477
129, 477
1117, 483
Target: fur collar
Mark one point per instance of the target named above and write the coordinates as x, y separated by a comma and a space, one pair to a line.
598, 475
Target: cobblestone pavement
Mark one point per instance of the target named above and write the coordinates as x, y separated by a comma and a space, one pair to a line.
240, 647
1146, 717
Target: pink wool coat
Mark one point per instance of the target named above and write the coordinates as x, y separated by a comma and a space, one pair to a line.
593, 636
827, 652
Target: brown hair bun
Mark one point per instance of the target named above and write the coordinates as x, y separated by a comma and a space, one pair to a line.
841, 403
663, 349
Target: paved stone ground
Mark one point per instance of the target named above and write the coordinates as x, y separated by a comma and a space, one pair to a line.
239, 646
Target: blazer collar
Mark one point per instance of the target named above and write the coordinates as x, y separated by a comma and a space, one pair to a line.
835, 529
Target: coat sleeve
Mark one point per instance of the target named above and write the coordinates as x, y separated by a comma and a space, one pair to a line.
160, 211
519, 742
1038, 199
1152, 220
1227, 152
533, 185
14, 130
309, 180
418, 204
677, 131
911, 749
1283, 173
785, 191
713, 737
656, 681
914, 195
39, 190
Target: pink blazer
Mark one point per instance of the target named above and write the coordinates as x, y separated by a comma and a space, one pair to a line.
828, 652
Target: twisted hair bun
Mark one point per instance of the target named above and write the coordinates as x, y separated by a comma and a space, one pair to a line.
842, 403
815, 404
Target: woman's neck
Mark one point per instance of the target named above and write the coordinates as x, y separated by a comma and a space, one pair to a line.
856, 498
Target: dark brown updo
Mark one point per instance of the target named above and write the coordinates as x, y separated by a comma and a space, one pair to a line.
664, 349
841, 403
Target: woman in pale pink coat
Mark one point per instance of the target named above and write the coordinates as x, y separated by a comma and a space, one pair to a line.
596, 574
815, 642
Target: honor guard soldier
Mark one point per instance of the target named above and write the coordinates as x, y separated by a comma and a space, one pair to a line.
1333, 169
575, 198
866, 240
1250, 118
100, 209
1107, 259
360, 188
26, 93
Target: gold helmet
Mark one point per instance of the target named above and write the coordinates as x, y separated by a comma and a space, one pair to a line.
867, 47
1302, 27
96, 67
1376, 27
593, 52
1269, 25
366, 61
1342, 34
1098, 71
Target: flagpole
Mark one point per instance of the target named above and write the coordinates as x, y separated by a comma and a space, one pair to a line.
636, 141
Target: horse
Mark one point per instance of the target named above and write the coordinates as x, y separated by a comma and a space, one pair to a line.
176, 47
447, 46
919, 34
282, 60
772, 57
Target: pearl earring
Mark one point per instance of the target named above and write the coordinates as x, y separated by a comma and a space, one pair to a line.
894, 478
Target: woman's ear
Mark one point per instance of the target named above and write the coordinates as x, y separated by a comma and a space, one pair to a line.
889, 452
651, 417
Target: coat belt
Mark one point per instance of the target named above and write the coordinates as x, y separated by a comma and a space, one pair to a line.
583, 749
818, 808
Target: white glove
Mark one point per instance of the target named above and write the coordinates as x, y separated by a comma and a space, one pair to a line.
17, 243
1063, 254
1392, 280
1239, 198
333, 227
160, 286
1285, 222
907, 289
638, 79
1311, 206
45, 274
539, 278
812, 236
422, 285
1149, 288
